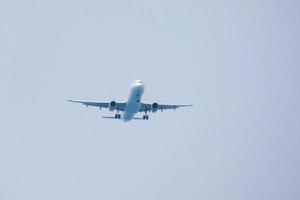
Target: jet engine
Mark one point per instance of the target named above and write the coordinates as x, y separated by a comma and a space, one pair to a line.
154, 107
112, 105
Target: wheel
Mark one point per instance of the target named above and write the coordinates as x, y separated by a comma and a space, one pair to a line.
116, 116
147, 117
144, 117
119, 116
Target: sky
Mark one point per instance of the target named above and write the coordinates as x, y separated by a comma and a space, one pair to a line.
237, 61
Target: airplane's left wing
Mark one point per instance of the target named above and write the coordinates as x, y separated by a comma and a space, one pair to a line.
119, 106
147, 107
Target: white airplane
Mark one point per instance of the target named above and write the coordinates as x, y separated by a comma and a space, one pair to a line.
133, 104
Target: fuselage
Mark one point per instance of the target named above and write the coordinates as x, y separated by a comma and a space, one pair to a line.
133, 103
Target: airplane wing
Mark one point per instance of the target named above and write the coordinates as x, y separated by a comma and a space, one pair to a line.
120, 106
147, 107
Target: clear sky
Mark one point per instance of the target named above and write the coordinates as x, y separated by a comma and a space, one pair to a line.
238, 61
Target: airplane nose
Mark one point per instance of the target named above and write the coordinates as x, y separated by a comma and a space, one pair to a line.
138, 83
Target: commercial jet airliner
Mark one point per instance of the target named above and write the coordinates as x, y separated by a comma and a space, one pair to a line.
133, 105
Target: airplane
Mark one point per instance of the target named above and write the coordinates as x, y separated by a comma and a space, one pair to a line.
133, 105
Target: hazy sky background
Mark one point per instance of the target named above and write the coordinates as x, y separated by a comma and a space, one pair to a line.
238, 61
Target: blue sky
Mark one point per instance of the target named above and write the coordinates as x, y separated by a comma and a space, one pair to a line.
238, 61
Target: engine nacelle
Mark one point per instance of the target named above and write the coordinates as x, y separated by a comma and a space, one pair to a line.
112, 105
154, 107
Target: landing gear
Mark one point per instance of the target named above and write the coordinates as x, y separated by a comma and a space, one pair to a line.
117, 115
146, 117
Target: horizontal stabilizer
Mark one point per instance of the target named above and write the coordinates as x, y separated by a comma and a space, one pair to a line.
135, 118
138, 118
107, 117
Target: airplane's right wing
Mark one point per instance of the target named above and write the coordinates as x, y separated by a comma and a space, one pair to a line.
118, 106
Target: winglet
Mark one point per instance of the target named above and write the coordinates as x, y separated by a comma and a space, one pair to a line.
188, 105
69, 100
